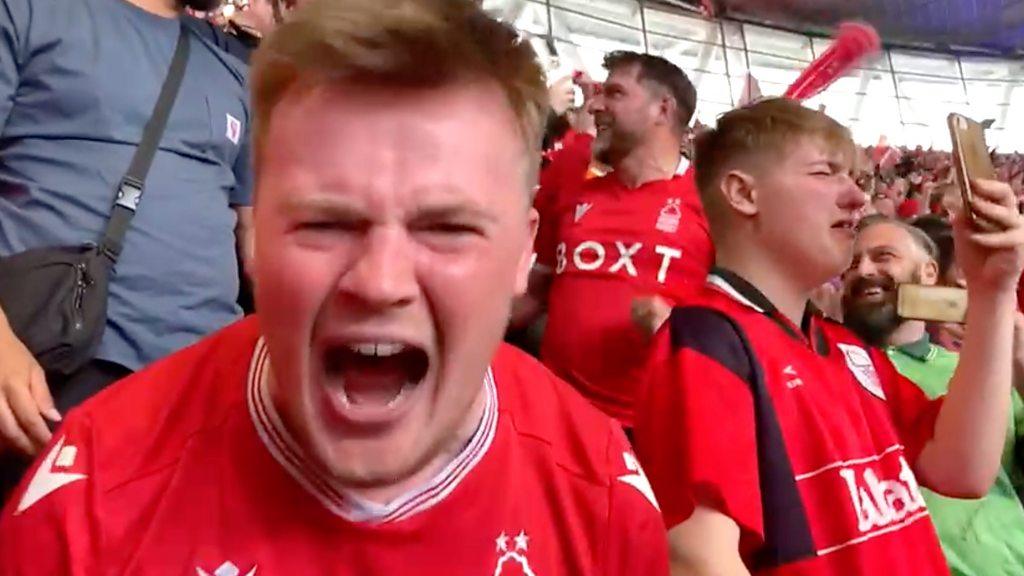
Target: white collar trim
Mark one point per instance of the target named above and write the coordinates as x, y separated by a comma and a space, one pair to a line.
723, 285
683, 166
283, 447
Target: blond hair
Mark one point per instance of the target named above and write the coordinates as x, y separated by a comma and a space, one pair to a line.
401, 43
759, 133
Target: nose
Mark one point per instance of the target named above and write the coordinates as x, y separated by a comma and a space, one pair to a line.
851, 197
866, 267
383, 274
596, 103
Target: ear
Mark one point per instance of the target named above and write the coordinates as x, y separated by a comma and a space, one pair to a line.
527, 258
666, 107
930, 273
740, 193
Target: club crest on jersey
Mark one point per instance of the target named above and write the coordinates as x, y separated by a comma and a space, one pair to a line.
859, 362
581, 210
668, 218
512, 560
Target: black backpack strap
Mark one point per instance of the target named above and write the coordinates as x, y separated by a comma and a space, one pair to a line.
129, 191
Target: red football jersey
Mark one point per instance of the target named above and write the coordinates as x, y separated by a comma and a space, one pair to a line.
563, 175
612, 245
569, 162
185, 468
806, 442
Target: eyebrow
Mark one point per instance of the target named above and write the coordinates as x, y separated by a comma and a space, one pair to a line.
324, 205
346, 210
449, 210
832, 164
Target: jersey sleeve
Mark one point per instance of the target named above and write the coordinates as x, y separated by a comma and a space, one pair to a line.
47, 525
568, 166
546, 203
695, 425
636, 540
566, 172
912, 411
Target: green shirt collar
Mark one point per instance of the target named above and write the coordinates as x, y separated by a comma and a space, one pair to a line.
919, 350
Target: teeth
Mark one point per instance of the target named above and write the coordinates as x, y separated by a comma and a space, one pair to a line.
389, 349
395, 400
377, 349
364, 349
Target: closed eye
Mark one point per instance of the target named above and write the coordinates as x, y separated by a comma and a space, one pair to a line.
450, 228
326, 226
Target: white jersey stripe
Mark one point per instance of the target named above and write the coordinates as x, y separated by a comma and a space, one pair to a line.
842, 463
859, 540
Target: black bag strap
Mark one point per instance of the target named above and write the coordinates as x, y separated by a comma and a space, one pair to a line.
129, 190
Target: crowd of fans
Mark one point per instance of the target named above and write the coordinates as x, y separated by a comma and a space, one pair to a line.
723, 300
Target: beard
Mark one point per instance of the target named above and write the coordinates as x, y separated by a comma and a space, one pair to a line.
614, 143
201, 5
874, 321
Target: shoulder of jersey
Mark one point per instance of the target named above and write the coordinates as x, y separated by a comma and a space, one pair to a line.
551, 415
688, 190
837, 332
145, 421
709, 297
588, 186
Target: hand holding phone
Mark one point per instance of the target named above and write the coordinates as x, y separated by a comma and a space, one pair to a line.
971, 161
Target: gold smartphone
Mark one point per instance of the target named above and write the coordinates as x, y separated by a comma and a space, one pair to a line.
970, 160
931, 303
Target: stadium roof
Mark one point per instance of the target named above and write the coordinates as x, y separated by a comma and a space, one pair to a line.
955, 25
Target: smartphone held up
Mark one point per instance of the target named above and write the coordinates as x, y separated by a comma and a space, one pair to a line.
971, 161
931, 303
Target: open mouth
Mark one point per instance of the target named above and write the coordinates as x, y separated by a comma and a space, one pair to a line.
846, 225
873, 289
373, 376
872, 293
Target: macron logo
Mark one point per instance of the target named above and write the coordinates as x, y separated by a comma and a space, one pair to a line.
46, 479
793, 378
581, 210
638, 479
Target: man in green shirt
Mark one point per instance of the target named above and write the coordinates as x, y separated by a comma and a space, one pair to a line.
983, 537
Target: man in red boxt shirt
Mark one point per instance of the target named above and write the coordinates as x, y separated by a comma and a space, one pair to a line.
368, 420
778, 442
623, 247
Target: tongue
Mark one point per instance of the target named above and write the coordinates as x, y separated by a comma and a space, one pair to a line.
374, 382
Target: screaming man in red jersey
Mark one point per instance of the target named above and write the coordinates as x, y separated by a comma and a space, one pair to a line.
369, 420
625, 246
779, 443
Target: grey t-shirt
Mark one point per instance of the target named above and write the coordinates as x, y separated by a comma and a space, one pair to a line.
78, 81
